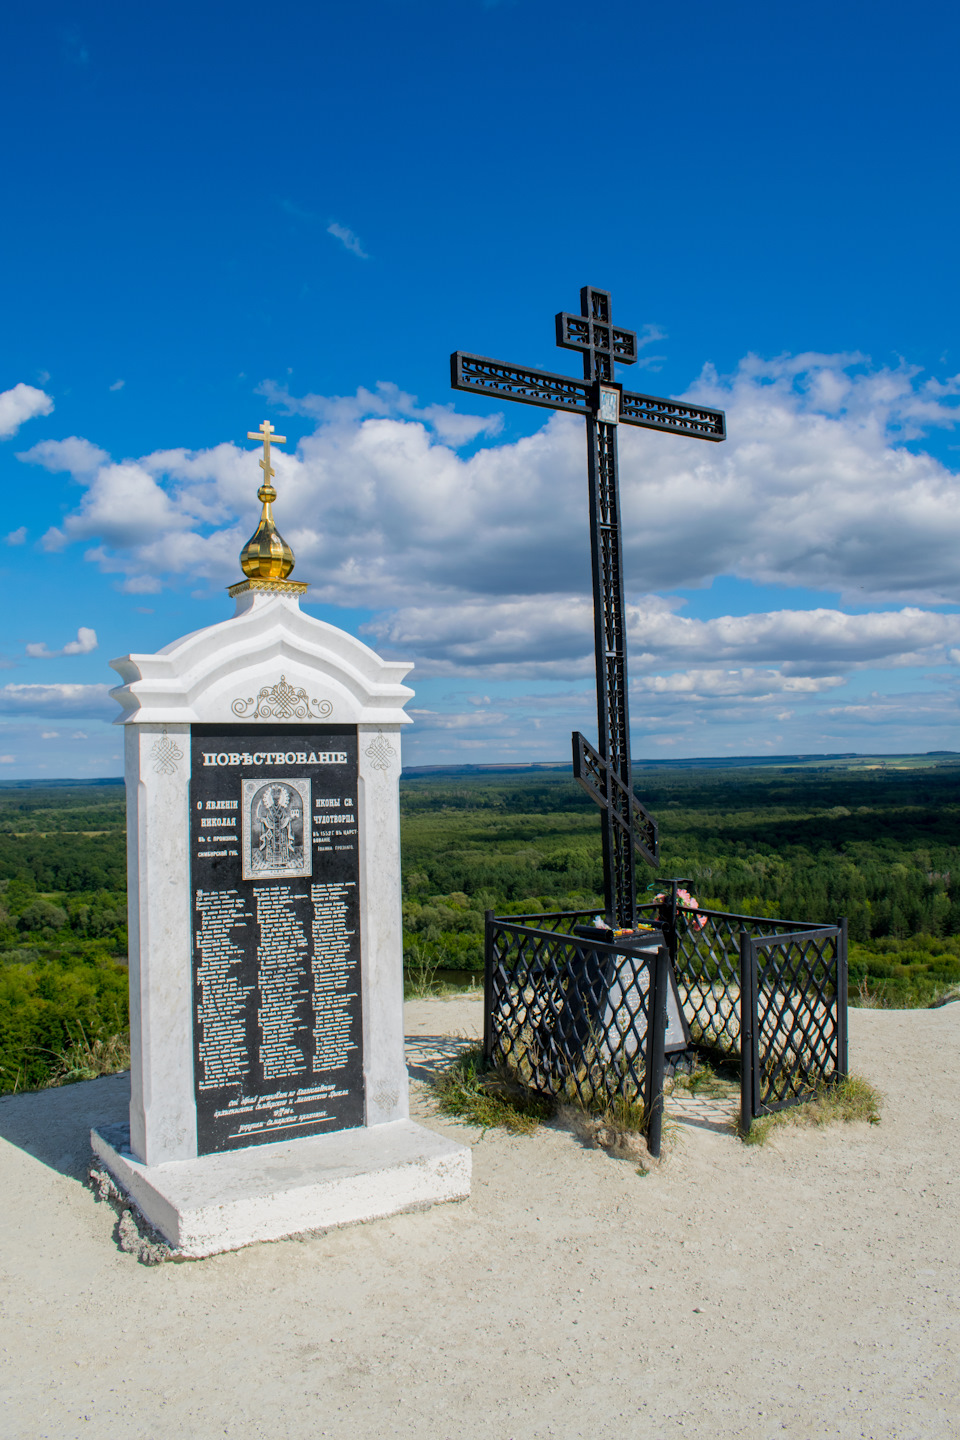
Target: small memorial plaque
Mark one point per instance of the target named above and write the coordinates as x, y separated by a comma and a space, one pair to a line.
276, 933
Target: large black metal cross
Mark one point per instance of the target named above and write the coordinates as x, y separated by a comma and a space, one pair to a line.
605, 773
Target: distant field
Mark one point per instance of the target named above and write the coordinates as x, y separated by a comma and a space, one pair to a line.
874, 838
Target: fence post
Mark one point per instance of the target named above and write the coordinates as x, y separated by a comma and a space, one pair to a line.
488, 985
842, 1000
746, 1034
656, 1040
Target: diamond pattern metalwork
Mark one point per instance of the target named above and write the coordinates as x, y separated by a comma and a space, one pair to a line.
571, 1017
707, 965
794, 996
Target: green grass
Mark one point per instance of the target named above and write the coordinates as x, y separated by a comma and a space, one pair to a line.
852, 1099
468, 1091
704, 1080
87, 1059
497, 1098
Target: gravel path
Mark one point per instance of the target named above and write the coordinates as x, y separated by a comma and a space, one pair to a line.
810, 1288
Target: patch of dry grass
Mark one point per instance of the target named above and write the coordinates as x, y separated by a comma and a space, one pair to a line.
87, 1059
618, 1128
468, 1091
851, 1099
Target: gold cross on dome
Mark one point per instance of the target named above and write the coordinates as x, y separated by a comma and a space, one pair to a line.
267, 434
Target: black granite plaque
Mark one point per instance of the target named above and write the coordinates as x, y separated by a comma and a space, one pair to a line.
275, 875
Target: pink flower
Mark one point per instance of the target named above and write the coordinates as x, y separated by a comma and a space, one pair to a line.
688, 903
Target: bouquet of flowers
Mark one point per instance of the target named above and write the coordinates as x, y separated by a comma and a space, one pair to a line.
601, 924
690, 904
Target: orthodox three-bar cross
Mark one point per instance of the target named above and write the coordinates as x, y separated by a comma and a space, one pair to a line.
605, 773
269, 436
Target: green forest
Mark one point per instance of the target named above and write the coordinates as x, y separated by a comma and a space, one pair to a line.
877, 841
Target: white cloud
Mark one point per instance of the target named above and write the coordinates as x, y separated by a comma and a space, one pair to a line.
801, 638
50, 735
117, 385
8, 759
22, 403
18, 536
58, 699
648, 336
85, 642
386, 399
139, 585
756, 685
480, 564
552, 636
800, 494
125, 506
75, 455
907, 710
347, 239
547, 635
446, 720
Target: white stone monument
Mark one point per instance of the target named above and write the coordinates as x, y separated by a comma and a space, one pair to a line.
268, 1081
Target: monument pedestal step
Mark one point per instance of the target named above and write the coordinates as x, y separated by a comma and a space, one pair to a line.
268, 1192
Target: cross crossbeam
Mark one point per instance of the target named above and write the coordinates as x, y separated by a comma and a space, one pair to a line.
269, 436
605, 773
482, 376
533, 387
594, 333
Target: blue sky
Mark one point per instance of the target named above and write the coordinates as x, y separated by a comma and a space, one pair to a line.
219, 214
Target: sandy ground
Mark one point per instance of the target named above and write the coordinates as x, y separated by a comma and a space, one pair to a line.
811, 1288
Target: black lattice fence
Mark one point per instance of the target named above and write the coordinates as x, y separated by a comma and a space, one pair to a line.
704, 946
794, 1025
571, 1016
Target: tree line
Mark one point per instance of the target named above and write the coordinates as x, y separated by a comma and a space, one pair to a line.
879, 846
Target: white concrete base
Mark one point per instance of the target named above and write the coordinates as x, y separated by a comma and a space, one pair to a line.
266, 1192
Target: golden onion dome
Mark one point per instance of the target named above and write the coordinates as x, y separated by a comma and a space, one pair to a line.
266, 555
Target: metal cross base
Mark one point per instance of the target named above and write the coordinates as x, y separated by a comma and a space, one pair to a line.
605, 773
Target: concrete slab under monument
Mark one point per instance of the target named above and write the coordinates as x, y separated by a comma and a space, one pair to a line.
272, 1192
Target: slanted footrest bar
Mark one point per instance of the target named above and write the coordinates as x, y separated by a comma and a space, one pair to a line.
595, 775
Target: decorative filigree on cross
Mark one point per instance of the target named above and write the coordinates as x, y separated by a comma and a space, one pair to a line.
595, 334
165, 754
282, 701
380, 752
